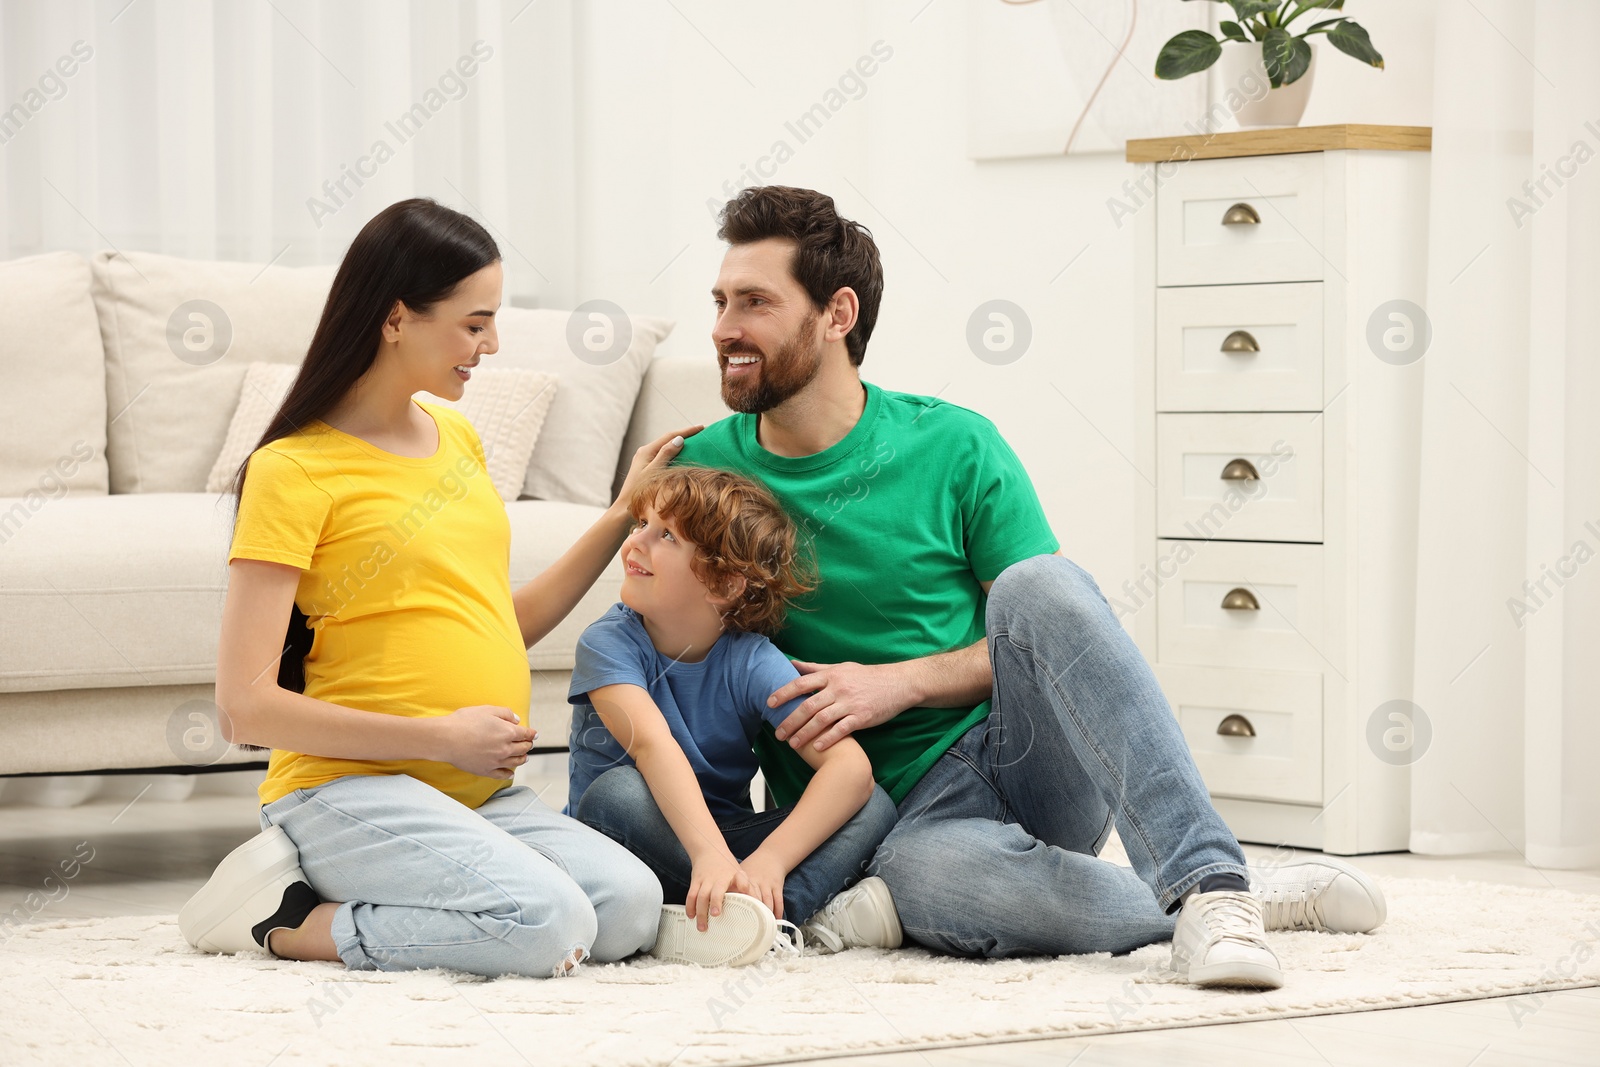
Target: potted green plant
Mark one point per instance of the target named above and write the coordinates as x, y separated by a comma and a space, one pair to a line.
1257, 48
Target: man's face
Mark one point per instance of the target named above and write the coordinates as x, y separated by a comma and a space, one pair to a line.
768, 342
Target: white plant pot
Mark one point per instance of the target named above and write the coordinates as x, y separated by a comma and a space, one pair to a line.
1242, 76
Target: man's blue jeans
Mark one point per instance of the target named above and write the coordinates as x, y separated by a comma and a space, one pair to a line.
995, 850
619, 805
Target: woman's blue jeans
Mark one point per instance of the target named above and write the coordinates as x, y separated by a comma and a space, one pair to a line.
509, 887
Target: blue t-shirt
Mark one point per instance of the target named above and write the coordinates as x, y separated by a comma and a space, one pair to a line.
714, 708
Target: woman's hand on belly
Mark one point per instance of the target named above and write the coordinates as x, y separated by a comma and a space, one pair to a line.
485, 740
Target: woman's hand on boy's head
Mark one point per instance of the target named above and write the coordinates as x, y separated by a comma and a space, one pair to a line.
657, 453
845, 697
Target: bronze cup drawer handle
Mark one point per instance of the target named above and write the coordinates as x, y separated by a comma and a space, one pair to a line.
1240, 600
1240, 470
1241, 215
1236, 726
1241, 342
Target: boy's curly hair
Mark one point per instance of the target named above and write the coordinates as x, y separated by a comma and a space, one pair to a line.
738, 529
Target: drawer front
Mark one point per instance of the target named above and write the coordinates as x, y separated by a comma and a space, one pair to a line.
1242, 604
1283, 502
1201, 241
1239, 348
1282, 761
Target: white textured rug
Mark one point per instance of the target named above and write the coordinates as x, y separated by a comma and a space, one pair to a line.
85, 990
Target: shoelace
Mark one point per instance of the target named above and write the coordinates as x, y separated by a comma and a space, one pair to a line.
790, 942
1234, 917
828, 939
832, 915
1283, 908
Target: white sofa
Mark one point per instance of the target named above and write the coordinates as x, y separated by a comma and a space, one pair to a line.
113, 558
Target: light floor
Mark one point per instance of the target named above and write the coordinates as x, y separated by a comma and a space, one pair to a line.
151, 854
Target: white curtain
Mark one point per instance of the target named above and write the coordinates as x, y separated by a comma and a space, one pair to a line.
1508, 627
260, 131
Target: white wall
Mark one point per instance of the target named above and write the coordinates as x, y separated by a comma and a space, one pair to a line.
675, 100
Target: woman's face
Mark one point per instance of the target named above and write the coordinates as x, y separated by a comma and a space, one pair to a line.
439, 350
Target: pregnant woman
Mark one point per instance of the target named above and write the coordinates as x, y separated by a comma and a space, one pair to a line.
388, 788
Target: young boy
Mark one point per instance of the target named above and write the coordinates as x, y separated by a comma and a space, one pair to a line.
670, 690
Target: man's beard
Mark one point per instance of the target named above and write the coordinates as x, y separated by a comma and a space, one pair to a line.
779, 376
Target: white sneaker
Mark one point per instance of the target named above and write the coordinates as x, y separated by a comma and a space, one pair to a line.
744, 932
1219, 941
1318, 894
863, 916
256, 889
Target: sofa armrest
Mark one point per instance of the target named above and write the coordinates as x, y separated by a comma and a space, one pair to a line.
677, 391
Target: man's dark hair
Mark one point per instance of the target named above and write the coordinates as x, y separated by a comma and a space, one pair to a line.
831, 252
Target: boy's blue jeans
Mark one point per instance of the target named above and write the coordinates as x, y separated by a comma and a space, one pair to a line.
619, 805
995, 850
509, 887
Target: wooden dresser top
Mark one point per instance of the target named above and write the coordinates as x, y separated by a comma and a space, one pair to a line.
1279, 141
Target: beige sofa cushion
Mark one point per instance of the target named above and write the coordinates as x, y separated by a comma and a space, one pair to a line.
506, 407
678, 391
127, 589
577, 452
541, 530
147, 726
114, 590
52, 375
178, 334
261, 394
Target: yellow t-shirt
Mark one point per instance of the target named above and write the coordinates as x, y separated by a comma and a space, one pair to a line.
405, 578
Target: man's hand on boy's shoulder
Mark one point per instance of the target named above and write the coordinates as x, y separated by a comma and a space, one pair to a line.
845, 697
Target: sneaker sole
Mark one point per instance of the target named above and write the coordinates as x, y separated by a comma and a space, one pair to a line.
742, 934
268, 861
1235, 975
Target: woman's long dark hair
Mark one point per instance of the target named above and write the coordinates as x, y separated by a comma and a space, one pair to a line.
415, 252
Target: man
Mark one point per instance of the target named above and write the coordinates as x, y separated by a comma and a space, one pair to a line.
1004, 708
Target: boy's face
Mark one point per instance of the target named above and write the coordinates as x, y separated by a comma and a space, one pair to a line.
657, 578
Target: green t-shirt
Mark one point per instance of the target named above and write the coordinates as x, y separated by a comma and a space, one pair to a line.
920, 502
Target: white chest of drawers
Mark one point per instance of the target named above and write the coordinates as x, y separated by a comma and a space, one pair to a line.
1278, 446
